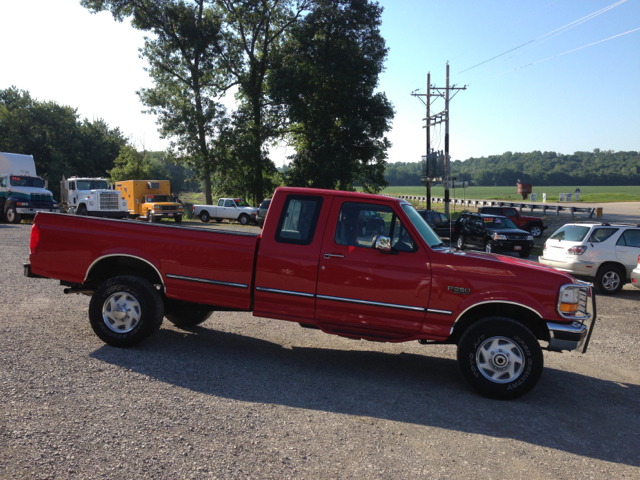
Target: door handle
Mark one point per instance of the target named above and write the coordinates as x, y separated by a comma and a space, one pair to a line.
329, 255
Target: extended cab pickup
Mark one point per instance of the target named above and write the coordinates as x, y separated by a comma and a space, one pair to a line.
533, 225
314, 264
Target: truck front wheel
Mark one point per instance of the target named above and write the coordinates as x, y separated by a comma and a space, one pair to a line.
82, 210
125, 310
187, 318
500, 358
11, 214
243, 219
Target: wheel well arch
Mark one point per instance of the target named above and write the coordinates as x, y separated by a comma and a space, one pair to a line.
520, 313
115, 265
619, 266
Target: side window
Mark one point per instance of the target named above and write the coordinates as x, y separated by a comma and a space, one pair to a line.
229, 203
221, 203
509, 212
72, 185
359, 223
599, 235
3, 182
630, 238
298, 219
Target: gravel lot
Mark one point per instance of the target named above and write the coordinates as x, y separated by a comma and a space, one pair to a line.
245, 397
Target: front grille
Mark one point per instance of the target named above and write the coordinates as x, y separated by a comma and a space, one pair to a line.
40, 197
166, 207
108, 201
40, 205
517, 237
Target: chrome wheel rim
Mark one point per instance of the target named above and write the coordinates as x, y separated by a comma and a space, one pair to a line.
610, 280
536, 232
500, 360
460, 242
121, 312
11, 215
487, 248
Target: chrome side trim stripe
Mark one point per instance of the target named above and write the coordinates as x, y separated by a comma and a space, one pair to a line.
285, 292
375, 304
441, 312
206, 280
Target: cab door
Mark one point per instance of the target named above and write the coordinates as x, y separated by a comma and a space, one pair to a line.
362, 290
628, 249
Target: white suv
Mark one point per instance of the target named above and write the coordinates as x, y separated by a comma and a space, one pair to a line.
601, 252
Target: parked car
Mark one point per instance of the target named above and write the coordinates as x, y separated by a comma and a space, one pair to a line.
493, 234
232, 209
370, 222
532, 225
600, 252
438, 222
262, 211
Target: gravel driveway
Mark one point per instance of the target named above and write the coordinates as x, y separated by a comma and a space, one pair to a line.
245, 397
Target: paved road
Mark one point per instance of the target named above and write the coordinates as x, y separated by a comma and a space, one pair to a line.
245, 397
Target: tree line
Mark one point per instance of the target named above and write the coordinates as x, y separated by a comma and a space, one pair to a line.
599, 167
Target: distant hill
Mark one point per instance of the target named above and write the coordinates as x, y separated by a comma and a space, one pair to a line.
548, 168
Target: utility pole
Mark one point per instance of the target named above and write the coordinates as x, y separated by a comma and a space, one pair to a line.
442, 117
428, 182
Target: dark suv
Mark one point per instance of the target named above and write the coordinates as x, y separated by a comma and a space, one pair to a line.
262, 211
438, 222
492, 233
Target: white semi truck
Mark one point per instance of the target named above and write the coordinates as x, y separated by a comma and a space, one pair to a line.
91, 196
22, 192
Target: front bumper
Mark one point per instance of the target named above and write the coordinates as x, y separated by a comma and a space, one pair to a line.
166, 214
578, 269
33, 211
635, 277
512, 246
575, 335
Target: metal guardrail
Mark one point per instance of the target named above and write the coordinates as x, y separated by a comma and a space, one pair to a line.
557, 208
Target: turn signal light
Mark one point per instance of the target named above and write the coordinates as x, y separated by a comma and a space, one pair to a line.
569, 307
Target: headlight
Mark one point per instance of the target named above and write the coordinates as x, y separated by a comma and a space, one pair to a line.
55, 205
572, 301
499, 237
529, 237
22, 204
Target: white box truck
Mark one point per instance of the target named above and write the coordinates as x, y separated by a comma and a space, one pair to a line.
91, 196
22, 192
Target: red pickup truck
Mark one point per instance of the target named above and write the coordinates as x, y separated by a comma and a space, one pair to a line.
532, 225
319, 261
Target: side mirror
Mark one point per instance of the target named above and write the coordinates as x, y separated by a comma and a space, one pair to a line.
46, 184
382, 243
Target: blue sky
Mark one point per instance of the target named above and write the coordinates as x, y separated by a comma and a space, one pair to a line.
583, 100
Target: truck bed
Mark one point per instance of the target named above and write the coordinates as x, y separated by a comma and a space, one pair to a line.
195, 264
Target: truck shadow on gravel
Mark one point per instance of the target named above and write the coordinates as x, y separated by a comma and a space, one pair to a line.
567, 411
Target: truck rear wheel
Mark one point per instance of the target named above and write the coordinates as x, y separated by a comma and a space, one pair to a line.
500, 358
11, 215
204, 216
178, 218
536, 231
125, 310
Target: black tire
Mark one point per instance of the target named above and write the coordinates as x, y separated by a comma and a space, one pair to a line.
133, 294
178, 219
460, 242
188, 318
82, 211
149, 217
500, 358
609, 280
536, 230
488, 247
205, 217
524, 253
243, 219
218, 220
10, 214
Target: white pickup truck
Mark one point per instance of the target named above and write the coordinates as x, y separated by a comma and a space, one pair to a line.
232, 209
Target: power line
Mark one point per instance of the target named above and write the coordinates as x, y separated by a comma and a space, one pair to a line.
561, 30
564, 53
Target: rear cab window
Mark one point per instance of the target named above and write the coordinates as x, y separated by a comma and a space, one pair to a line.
298, 219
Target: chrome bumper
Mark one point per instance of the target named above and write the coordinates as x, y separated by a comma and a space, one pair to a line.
575, 335
33, 211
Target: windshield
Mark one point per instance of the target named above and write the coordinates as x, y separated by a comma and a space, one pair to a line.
571, 233
92, 185
26, 182
498, 222
159, 198
423, 228
241, 203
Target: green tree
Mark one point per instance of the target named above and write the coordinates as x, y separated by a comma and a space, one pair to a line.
326, 78
181, 55
132, 165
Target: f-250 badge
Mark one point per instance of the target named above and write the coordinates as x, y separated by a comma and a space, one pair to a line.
463, 291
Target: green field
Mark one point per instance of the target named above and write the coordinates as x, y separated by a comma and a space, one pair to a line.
587, 194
